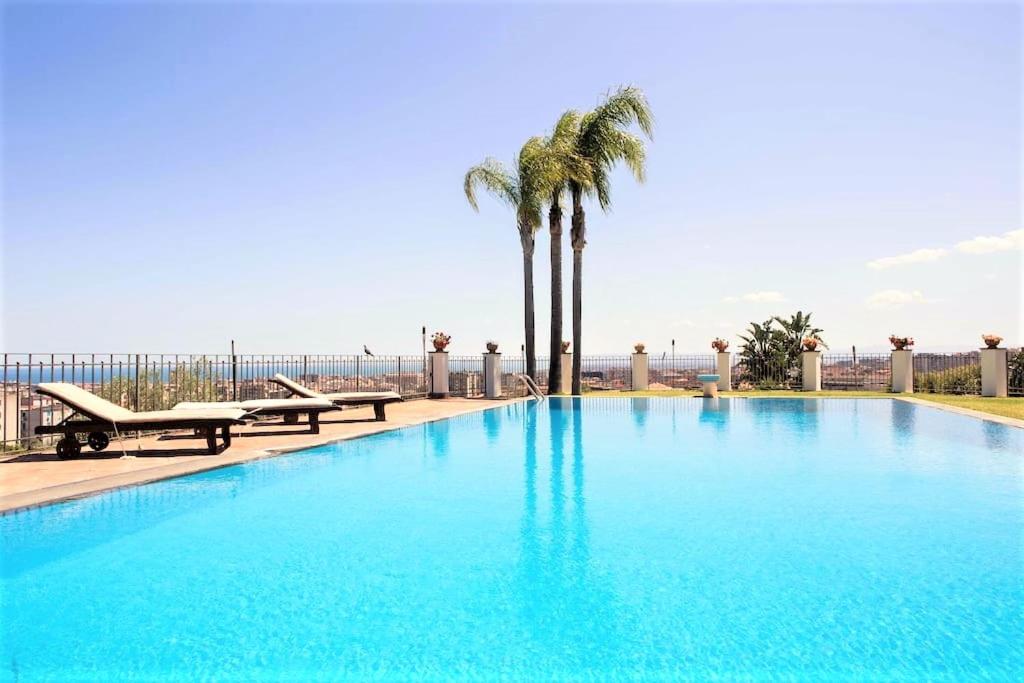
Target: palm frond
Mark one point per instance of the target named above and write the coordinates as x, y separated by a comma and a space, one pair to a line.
604, 141
493, 177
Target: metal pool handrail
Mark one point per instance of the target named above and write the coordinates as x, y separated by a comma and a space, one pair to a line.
531, 386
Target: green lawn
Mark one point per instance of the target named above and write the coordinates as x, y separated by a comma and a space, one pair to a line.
1006, 407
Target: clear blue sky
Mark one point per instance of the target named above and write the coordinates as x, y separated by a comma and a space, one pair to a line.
290, 175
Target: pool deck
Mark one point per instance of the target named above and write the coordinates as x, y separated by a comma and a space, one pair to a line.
33, 479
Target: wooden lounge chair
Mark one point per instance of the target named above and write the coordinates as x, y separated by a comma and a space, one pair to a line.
378, 399
289, 408
95, 416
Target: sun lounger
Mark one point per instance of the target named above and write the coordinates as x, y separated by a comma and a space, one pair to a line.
96, 416
378, 399
289, 408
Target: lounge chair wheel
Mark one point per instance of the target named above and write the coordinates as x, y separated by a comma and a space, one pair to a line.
291, 418
98, 441
68, 447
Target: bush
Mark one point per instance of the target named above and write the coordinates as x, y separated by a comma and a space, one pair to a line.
962, 380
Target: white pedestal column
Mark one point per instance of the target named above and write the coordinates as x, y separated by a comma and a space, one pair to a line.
993, 372
639, 371
811, 364
566, 360
903, 372
438, 374
492, 375
724, 371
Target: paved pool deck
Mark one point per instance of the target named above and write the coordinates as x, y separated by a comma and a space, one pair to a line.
34, 479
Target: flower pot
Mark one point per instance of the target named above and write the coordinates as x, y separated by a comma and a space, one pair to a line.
492, 347
991, 340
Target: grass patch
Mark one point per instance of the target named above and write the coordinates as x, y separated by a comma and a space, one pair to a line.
1006, 407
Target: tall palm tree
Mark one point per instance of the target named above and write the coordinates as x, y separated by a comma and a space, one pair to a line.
525, 189
602, 140
561, 165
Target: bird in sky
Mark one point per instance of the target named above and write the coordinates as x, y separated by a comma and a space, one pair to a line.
367, 351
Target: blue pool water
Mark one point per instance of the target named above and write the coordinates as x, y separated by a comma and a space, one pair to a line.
642, 538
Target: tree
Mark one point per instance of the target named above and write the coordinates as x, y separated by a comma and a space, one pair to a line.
525, 190
770, 355
763, 353
561, 165
602, 141
795, 329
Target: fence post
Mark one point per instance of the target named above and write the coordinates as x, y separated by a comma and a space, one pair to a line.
492, 375
993, 372
234, 372
811, 364
138, 380
565, 381
724, 371
638, 369
438, 374
903, 371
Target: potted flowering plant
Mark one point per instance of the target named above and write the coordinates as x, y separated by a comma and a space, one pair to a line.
565, 347
639, 347
900, 343
492, 346
719, 345
440, 340
810, 343
991, 340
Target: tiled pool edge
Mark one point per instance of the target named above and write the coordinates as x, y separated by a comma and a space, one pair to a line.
49, 495
969, 412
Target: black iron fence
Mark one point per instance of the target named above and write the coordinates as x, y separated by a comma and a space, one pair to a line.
857, 372
159, 381
947, 373
1015, 372
679, 371
606, 373
466, 375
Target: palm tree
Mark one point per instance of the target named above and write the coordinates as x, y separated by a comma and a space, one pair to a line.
525, 190
796, 329
562, 164
602, 141
763, 353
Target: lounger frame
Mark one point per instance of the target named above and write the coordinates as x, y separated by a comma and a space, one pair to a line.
89, 423
69, 427
377, 403
291, 415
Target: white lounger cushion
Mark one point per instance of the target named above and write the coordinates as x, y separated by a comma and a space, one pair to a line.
351, 396
91, 405
261, 405
364, 396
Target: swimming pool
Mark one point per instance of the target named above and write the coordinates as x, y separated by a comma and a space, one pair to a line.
611, 538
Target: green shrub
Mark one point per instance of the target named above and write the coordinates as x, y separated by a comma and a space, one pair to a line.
962, 380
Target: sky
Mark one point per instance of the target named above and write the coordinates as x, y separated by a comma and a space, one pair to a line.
289, 176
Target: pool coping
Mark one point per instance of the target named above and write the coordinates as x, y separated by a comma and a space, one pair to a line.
84, 488
969, 412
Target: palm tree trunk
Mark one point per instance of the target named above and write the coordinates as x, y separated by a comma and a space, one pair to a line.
528, 305
555, 356
578, 238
